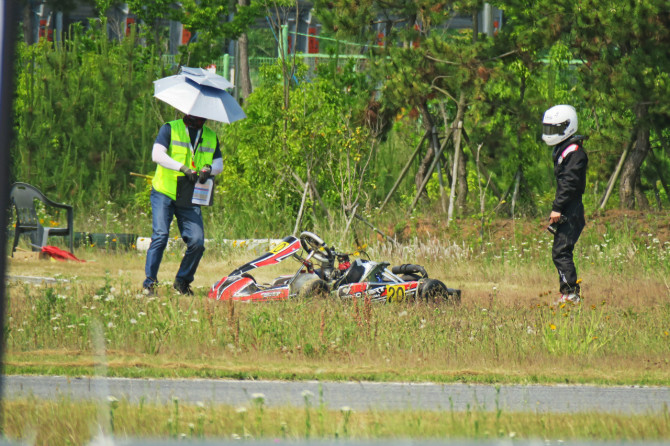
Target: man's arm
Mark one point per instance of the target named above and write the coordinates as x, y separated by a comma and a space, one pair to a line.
159, 156
217, 161
159, 153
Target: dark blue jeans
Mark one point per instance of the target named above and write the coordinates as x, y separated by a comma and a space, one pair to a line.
189, 220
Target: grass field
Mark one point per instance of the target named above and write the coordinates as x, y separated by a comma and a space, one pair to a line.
75, 423
506, 330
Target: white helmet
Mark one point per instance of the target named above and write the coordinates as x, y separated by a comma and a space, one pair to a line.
558, 124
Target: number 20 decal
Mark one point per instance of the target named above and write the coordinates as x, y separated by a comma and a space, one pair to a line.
395, 293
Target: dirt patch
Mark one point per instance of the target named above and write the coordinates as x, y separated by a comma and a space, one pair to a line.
637, 223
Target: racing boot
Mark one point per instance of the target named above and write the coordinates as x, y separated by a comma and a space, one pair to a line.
572, 296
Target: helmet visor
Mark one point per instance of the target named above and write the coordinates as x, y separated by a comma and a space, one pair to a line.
554, 129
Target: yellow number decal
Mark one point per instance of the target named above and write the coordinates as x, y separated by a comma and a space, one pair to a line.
279, 247
395, 293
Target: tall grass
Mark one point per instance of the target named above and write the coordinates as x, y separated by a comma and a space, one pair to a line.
474, 341
76, 422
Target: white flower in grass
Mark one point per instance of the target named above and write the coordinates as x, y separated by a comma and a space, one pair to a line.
307, 394
346, 409
195, 320
110, 324
200, 404
133, 321
258, 397
241, 410
141, 313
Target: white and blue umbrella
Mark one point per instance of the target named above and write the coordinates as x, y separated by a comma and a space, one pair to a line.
206, 78
198, 92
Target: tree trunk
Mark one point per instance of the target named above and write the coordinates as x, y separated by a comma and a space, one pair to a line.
28, 18
245, 77
640, 197
462, 196
615, 175
428, 158
458, 133
630, 174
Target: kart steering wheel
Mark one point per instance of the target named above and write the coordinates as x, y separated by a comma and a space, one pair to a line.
313, 244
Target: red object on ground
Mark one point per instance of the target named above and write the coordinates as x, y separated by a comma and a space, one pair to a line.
59, 254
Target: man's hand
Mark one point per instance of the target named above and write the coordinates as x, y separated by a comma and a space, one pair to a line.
205, 173
554, 217
192, 175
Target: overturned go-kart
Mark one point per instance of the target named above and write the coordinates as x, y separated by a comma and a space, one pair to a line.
318, 274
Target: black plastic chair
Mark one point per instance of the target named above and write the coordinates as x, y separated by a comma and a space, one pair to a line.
23, 196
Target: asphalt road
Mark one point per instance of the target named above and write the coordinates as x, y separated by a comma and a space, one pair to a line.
355, 395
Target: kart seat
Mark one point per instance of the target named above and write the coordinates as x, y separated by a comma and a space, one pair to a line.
354, 274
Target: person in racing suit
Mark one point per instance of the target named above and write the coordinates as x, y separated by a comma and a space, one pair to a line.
567, 211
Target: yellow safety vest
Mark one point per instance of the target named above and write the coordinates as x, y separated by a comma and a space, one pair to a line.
165, 180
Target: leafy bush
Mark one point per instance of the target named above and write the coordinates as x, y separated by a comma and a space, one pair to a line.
85, 117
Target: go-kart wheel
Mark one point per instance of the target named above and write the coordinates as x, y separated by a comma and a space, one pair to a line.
315, 288
311, 242
434, 291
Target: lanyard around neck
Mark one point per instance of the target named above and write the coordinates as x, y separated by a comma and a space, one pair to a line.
190, 145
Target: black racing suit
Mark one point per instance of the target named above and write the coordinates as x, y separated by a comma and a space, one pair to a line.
570, 163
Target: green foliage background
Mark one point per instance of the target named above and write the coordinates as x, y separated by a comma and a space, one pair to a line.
85, 116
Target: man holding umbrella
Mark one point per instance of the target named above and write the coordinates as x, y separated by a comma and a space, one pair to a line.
185, 151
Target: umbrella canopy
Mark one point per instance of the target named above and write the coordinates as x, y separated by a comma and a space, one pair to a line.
205, 78
194, 93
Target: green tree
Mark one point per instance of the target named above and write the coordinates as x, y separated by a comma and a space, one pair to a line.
274, 154
419, 63
623, 47
208, 21
84, 115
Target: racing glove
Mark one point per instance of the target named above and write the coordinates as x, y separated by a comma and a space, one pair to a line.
192, 175
205, 173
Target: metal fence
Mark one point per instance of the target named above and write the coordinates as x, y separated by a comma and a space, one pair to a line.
225, 65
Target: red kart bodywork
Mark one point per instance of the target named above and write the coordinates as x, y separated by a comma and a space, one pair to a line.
239, 285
